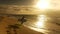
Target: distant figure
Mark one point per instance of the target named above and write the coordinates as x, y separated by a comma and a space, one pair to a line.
22, 20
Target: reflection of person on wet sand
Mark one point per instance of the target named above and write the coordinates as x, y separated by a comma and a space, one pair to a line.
22, 20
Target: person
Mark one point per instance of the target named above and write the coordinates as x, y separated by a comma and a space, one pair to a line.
22, 20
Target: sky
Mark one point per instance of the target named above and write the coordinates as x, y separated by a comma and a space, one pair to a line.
17, 2
53, 4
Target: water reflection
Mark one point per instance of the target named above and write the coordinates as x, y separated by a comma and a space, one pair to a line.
41, 20
43, 23
39, 24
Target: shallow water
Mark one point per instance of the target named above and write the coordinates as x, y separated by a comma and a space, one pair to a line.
43, 23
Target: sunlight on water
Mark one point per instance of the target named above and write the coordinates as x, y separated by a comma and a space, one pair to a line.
38, 30
39, 25
41, 20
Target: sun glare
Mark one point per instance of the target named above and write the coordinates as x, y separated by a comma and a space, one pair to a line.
42, 4
41, 21
40, 24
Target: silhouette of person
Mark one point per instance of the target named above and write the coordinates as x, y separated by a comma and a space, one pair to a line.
22, 20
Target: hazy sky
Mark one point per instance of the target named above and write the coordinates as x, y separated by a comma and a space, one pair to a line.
17, 2
54, 4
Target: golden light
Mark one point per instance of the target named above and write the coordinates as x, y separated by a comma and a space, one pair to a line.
41, 21
42, 4
40, 24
